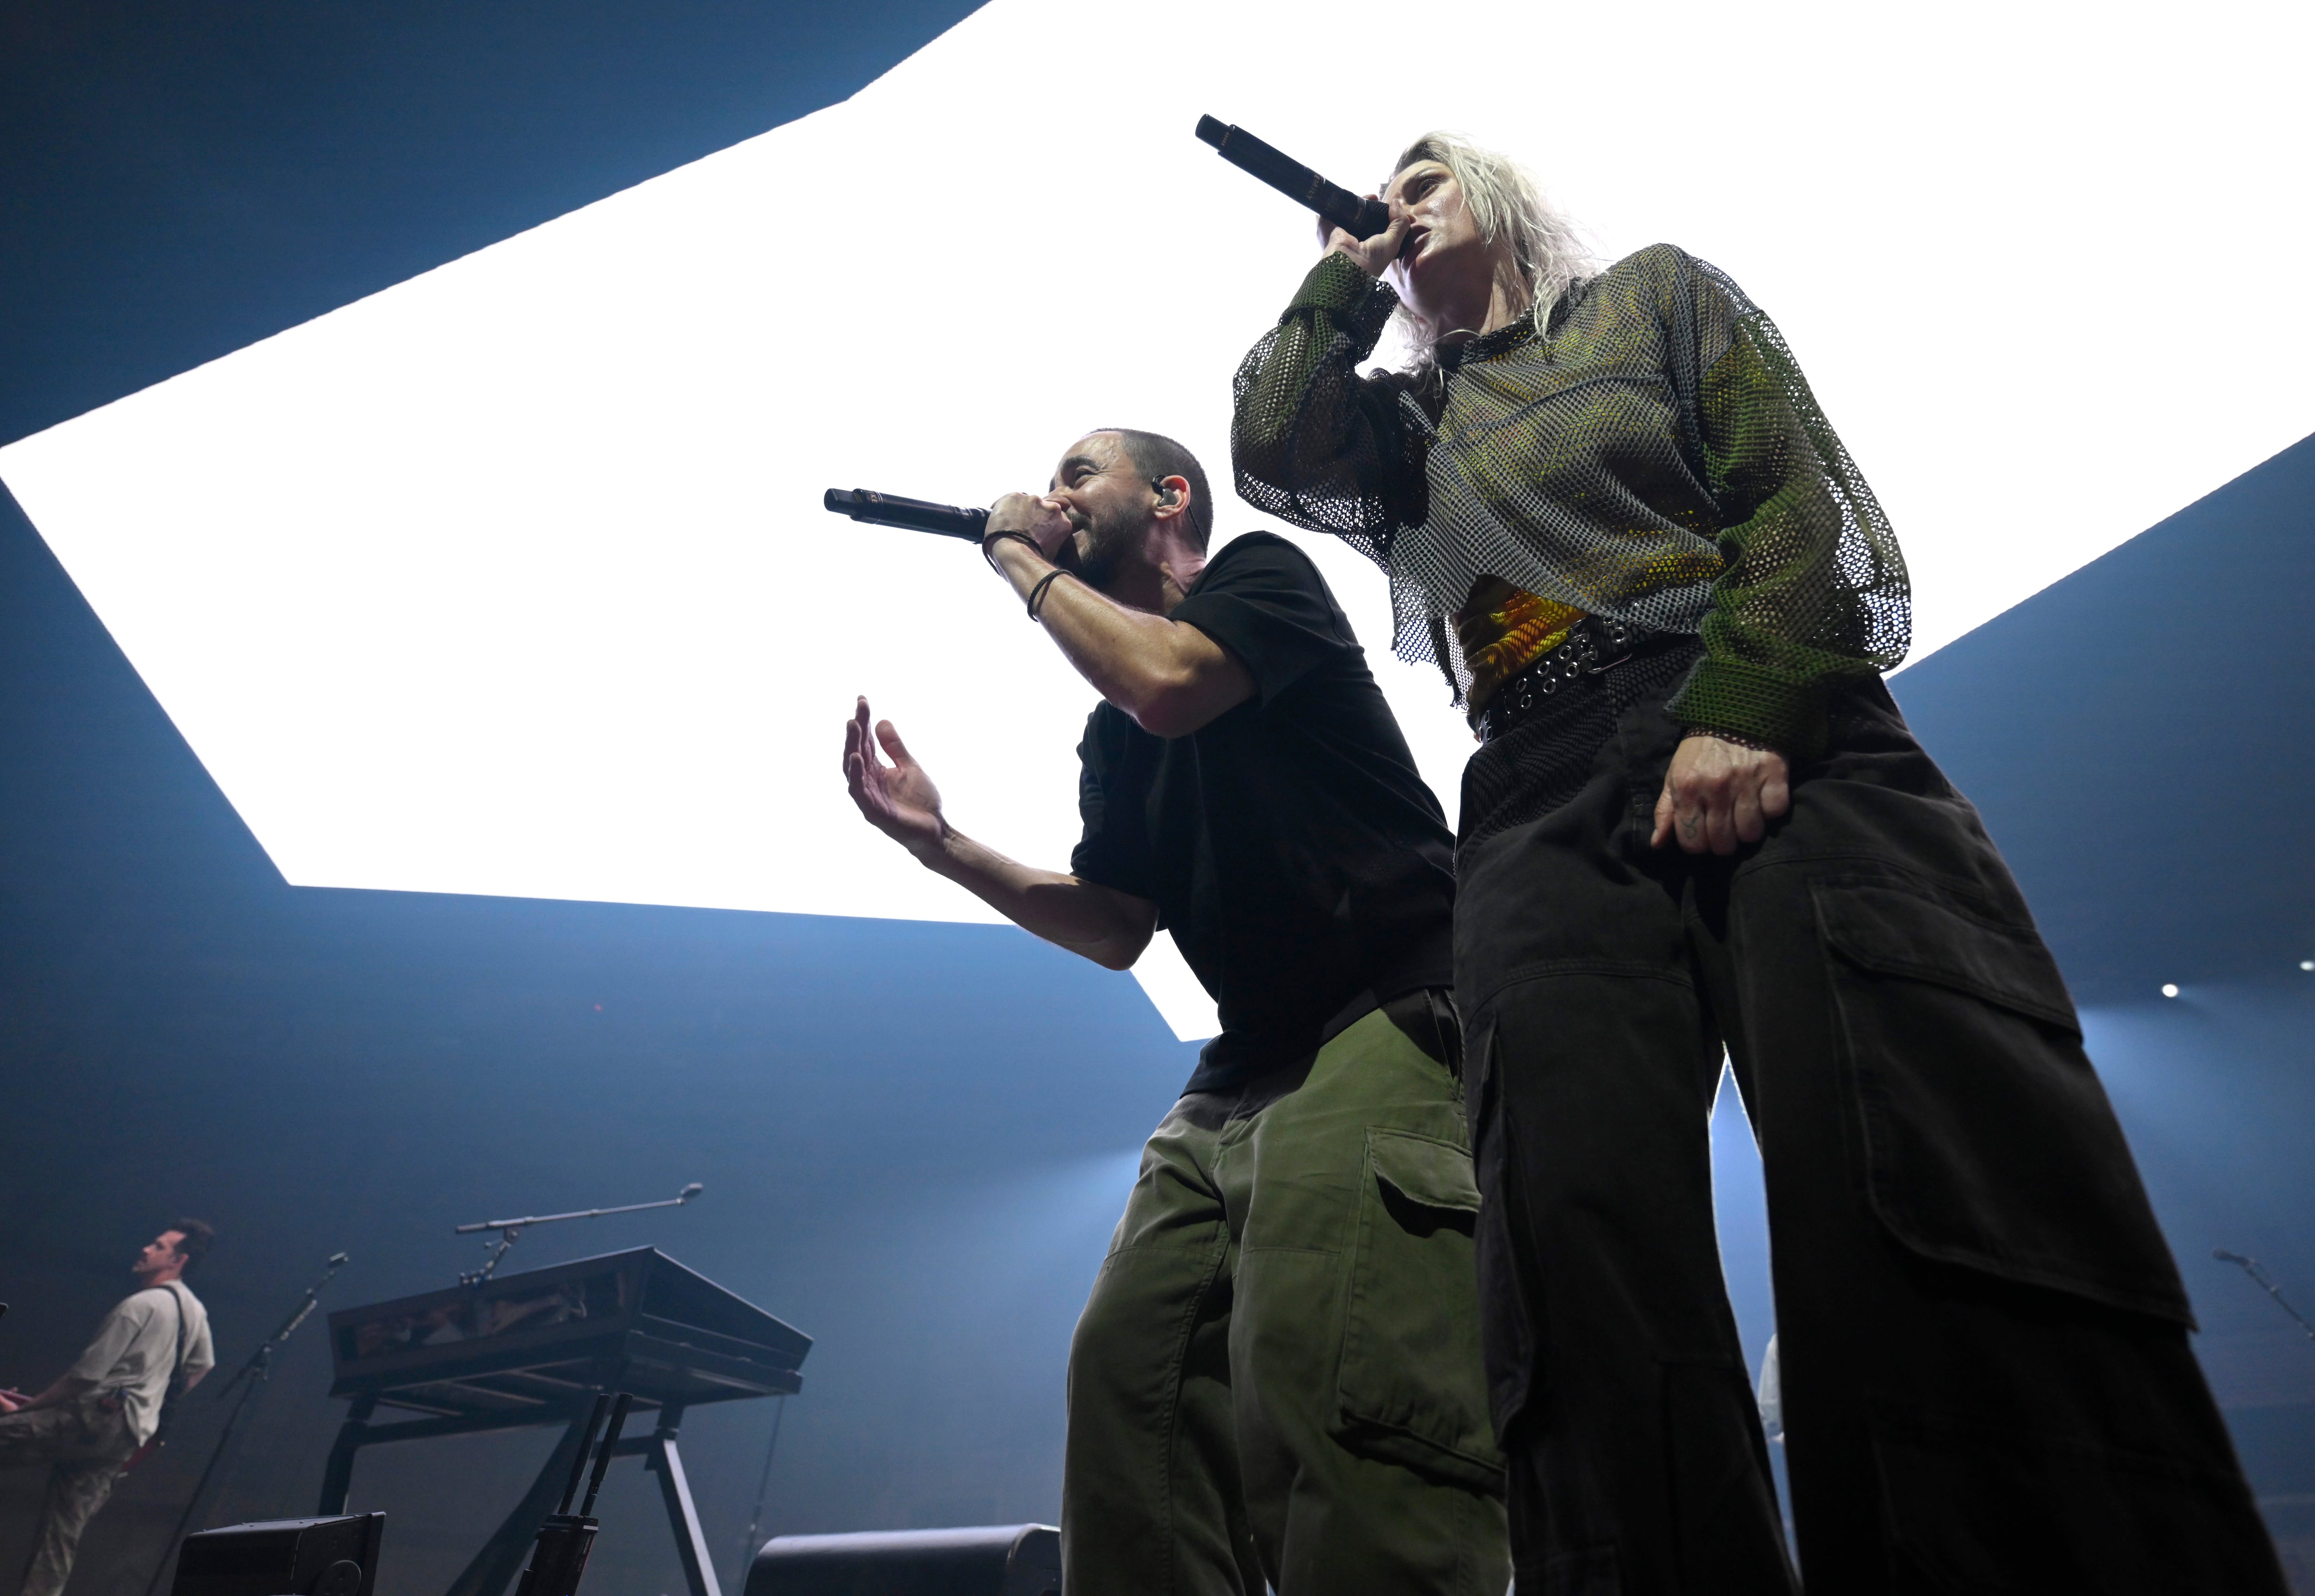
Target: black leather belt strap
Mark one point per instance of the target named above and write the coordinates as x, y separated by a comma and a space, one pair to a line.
1593, 646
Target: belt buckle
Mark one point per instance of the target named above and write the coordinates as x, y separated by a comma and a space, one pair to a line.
1619, 637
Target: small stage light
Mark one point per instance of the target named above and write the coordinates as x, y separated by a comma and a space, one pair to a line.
2307, 963
2169, 990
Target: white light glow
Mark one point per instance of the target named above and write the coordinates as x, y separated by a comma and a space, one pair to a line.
512, 579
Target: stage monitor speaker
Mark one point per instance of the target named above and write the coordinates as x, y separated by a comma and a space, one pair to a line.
283, 1558
999, 1560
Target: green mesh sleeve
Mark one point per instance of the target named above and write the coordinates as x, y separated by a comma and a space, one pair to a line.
1312, 441
1814, 591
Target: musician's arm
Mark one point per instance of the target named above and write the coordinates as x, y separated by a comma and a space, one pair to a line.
63, 1390
1109, 926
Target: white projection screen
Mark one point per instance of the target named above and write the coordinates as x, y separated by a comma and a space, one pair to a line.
512, 579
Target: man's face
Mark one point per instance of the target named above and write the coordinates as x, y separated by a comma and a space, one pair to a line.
1101, 491
161, 1254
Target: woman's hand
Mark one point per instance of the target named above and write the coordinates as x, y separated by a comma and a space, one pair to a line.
1719, 794
1373, 255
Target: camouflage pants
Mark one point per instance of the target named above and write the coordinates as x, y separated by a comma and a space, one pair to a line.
84, 1442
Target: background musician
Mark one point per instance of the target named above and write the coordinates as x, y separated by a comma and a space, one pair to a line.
91, 1419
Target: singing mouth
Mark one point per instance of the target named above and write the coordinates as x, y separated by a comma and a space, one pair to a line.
1412, 245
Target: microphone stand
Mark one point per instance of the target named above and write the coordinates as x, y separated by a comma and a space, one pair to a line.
2250, 1267
748, 1550
250, 1379
511, 1230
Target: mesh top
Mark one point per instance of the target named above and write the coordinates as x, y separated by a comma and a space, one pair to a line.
1654, 457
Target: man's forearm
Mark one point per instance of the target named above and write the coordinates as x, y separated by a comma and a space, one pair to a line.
1108, 927
1170, 677
1127, 654
64, 1389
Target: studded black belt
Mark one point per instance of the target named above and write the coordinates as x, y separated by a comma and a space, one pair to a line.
1593, 646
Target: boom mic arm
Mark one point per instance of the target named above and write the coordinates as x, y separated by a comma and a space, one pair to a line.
1360, 219
917, 515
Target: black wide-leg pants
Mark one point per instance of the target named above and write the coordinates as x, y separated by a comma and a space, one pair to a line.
1987, 1383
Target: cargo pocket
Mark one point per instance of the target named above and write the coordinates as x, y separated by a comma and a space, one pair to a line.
1988, 1140
2010, 1513
1410, 1390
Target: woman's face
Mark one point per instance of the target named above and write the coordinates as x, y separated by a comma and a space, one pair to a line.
1444, 266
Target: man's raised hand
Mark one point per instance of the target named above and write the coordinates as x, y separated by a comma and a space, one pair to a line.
1041, 518
898, 799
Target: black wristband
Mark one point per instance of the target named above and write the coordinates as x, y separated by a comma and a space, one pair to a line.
996, 538
1037, 593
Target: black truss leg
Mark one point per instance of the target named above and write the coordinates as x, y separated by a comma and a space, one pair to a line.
501, 1558
338, 1474
682, 1517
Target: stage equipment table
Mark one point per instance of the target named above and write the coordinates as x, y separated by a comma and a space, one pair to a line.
535, 1348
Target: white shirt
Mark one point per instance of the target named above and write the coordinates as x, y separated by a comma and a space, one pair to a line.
136, 1351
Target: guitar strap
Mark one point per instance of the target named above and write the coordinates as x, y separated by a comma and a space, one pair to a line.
176, 1370
168, 1398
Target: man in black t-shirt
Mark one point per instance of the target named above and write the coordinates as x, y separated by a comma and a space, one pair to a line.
1276, 1379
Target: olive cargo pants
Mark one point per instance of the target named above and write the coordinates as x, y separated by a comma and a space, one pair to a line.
1277, 1375
1982, 1338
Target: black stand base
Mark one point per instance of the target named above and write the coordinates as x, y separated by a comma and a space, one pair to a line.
495, 1566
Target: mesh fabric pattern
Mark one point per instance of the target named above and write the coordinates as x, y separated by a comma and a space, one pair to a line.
1652, 454
1545, 760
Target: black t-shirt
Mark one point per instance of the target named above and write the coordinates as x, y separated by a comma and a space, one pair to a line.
1289, 845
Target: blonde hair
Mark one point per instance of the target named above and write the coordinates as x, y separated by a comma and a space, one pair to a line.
1547, 250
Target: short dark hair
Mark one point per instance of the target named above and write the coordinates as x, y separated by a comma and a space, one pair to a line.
195, 1236
1157, 455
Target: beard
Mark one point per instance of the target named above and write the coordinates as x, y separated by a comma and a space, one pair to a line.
1103, 544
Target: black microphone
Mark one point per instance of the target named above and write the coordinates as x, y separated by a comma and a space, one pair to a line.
1360, 219
917, 515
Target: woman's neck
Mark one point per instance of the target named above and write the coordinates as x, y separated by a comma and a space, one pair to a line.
1507, 300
